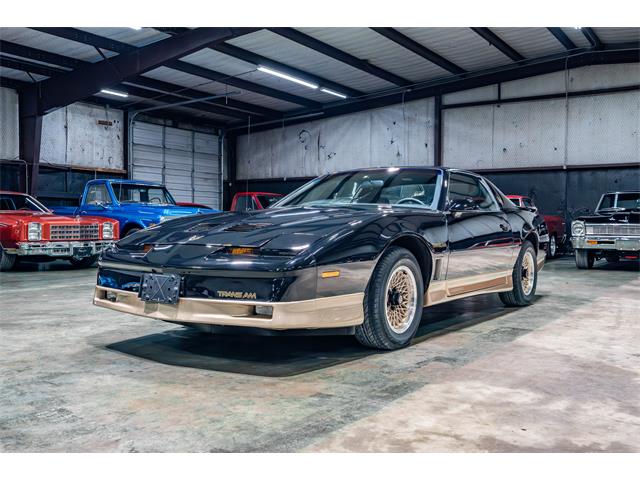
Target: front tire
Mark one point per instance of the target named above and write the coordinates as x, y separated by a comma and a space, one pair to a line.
7, 260
584, 259
393, 302
84, 262
524, 278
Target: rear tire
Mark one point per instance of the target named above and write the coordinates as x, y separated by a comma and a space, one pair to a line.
84, 262
524, 278
392, 302
584, 259
7, 260
552, 247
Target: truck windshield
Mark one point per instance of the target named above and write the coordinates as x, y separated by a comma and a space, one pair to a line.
131, 193
620, 201
12, 202
391, 186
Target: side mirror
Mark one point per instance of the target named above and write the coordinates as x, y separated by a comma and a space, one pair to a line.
462, 204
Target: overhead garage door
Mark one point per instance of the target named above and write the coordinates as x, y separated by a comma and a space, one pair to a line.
187, 162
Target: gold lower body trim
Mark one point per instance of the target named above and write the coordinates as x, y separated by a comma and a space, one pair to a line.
328, 312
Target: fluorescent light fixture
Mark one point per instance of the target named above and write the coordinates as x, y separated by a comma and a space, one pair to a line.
287, 77
114, 93
135, 28
578, 28
333, 92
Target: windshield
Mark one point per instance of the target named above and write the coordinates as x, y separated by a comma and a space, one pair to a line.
13, 201
130, 193
620, 201
392, 186
267, 200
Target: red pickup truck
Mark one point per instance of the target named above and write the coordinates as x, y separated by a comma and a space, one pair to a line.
555, 224
253, 201
28, 229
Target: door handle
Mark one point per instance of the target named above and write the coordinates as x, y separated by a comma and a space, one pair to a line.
504, 227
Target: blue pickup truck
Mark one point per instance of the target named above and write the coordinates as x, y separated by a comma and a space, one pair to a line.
135, 204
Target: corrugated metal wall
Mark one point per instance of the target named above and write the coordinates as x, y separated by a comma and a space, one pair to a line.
187, 162
395, 135
582, 130
83, 135
9, 139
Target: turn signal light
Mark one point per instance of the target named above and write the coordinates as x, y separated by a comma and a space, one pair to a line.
147, 248
242, 250
331, 274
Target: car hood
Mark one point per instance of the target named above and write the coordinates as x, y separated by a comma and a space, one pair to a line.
617, 217
163, 210
280, 228
46, 217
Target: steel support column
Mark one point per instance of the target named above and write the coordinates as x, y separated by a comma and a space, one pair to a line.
30, 127
437, 131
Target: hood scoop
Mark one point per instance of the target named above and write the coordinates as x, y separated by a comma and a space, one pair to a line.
246, 227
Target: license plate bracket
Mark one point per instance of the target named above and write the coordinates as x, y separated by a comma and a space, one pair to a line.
82, 252
160, 288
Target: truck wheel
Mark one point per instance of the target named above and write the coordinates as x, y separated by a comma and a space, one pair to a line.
84, 262
584, 259
392, 302
7, 260
524, 277
552, 247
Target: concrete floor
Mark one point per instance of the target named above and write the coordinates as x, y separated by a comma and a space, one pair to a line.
560, 375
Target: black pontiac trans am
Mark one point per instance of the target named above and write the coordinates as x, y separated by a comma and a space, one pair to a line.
358, 252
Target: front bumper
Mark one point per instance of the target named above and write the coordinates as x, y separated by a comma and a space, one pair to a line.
328, 312
61, 249
625, 244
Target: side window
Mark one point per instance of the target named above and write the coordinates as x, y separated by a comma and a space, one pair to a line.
97, 195
469, 193
244, 203
526, 202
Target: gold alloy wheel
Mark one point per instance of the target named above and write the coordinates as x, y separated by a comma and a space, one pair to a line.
402, 294
528, 273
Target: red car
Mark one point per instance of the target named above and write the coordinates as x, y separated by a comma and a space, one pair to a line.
555, 224
253, 201
28, 229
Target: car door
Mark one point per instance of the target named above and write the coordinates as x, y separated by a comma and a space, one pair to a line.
97, 200
480, 239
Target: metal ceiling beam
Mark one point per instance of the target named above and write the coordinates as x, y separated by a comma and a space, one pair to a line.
12, 83
31, 67
419, 49
61, 60
231, 103
254, 58
39, 55
337, 54
562, 38
592, 37
528, 68
170, 99
89, 38
83, 82
165, 94
497, 42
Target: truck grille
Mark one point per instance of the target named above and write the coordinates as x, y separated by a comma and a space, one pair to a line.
75, 232
614, 230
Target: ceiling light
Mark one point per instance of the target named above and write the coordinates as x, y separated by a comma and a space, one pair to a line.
114, 93
578, 28
135, 28
333, 92
287, 77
